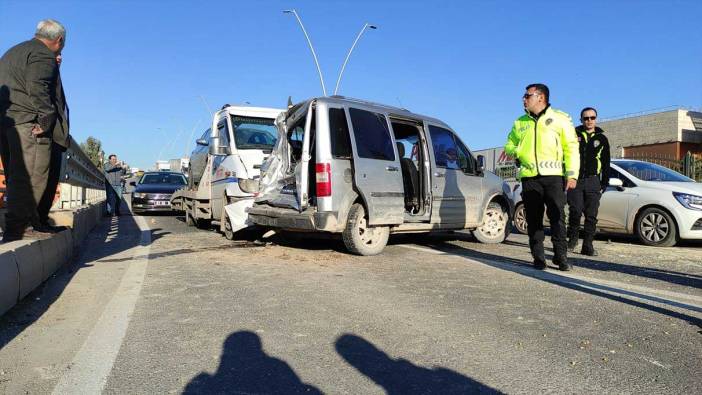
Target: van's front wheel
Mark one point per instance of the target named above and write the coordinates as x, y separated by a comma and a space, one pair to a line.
494, 228
361, 239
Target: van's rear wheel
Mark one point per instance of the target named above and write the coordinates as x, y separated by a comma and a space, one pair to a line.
361, 239
494, 227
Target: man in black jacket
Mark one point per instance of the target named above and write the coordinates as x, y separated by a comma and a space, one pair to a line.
592, 181
31, 119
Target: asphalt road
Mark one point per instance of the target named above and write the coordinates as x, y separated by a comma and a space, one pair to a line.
152, 306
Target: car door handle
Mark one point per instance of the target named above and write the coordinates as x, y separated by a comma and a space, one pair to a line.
439, 175
392, 168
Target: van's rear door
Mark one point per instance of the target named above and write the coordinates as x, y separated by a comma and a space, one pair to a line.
377, 167
302, 168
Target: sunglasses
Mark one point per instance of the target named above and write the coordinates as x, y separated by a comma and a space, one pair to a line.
589, 118
528, 95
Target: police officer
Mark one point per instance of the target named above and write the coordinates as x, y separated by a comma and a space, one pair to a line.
544, 144
592, 181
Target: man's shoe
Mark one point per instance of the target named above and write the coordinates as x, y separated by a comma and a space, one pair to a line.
565, 266
589, 251
45, 228
8, 237
539, 265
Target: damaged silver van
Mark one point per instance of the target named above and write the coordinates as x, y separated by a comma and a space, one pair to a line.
366, 170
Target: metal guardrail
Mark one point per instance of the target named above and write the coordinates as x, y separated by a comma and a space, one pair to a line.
81, 181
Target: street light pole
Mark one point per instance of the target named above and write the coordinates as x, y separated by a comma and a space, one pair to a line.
349, 54
314, 55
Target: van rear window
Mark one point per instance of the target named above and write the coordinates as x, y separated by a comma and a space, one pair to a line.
339, 133
372, 136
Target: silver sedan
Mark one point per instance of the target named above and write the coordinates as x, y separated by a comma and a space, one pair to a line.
658, 205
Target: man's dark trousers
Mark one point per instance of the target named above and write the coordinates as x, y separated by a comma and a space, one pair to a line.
584, 198
114, 198
47, 200
26, 158
537, 192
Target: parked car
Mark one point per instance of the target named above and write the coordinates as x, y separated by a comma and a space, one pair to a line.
658, 205
154, 189
366, 170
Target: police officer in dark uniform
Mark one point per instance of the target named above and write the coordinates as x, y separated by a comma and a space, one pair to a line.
592, 181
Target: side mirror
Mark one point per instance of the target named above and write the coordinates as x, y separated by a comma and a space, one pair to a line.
202, 142
617, 183
221, 150
481, 163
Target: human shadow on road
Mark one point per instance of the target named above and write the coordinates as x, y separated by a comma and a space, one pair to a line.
525, 268
402, 377
245, 368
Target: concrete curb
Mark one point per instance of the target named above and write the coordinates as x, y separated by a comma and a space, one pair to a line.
26, 264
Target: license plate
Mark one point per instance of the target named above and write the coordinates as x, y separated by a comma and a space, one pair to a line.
161, 203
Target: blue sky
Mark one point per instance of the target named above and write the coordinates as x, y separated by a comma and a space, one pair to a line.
135, 71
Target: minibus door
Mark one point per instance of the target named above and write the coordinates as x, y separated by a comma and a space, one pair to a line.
302, 171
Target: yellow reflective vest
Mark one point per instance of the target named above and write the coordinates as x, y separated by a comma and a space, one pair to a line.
546, 145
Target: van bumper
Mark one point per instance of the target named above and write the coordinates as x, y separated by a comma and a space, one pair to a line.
286, 218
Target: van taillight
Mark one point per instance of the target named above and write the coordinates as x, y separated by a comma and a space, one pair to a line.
323, 176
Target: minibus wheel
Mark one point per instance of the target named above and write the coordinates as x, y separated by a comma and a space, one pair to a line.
361, 239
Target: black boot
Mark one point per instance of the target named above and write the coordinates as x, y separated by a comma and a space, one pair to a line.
588, 248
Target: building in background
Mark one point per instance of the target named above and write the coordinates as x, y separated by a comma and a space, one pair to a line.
670, 134
162, 165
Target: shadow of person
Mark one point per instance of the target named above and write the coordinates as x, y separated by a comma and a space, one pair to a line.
399, 376
246, 369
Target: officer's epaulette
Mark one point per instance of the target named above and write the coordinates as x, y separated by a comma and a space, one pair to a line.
559, 112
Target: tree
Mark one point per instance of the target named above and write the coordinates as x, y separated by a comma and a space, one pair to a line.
93, 149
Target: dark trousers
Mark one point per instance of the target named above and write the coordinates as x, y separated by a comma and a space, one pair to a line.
47, 199
585, 198
537, 192
26, 160
114, 198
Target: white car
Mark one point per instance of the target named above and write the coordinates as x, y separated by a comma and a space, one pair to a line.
658, 205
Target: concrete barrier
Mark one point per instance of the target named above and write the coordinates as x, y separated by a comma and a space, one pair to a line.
26, 264
9, 281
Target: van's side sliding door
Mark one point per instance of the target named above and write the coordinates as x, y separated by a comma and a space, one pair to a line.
377, 172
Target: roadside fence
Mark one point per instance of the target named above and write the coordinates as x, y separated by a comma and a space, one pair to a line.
81, 181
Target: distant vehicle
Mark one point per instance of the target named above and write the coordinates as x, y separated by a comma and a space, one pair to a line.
658, 205
366, 170
153, 191
227, 154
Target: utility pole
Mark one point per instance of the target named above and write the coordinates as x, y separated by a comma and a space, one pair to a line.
363, 29
314, 54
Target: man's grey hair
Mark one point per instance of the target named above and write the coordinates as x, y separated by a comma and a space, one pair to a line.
50, 29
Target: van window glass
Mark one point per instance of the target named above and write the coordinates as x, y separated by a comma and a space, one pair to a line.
445, 150
465, 159
296, 135
370, 131
339, 133
254, 133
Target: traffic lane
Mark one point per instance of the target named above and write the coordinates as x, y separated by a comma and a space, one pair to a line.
320, 313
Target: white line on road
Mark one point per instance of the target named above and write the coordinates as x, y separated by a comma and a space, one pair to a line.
93, 363
676, 299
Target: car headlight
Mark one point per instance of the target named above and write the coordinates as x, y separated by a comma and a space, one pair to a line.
140, 195
693, 202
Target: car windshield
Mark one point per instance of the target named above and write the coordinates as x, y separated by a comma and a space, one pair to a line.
168, 179
254, 133
651, 172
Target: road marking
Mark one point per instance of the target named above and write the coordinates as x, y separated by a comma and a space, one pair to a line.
676, 299
93, 363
